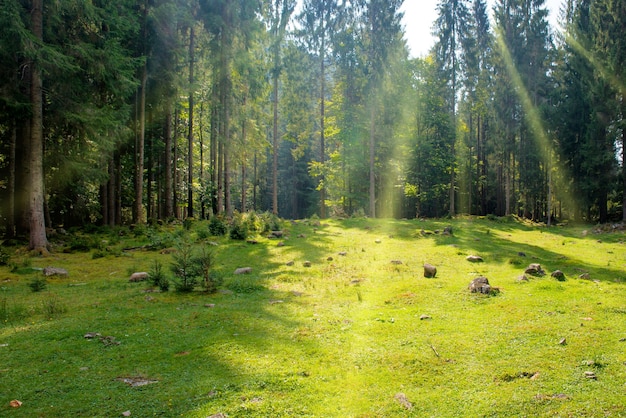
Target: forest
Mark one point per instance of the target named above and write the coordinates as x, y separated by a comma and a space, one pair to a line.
139, 111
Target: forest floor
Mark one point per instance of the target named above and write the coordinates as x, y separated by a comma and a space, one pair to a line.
358, 333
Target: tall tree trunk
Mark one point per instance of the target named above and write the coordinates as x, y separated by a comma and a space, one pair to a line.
322, 123
38, 239
275, 148
10, 231
227, 193
111, 193
139, 149
244, 196
201, 168
372, 154
169, 203
214, 146
190, 136
150, 175
175, 171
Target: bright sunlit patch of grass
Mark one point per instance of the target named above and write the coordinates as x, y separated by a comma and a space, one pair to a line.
344, 337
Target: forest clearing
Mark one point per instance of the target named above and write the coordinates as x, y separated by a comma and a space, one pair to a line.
328, 318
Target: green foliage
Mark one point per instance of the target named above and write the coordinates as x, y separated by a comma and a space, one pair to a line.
158, 277
239, 228
37, 284
244, 284
4, 257
218, 226
184, 267
52, 306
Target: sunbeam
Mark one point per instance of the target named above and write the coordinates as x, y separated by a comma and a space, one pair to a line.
545, 146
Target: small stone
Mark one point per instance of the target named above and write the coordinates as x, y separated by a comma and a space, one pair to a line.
307, 264
430, 271
585, 276
591, 375
91, 335
280, 244
243, 270
522, 278
301, 236
378, 241
403, 400
474, 259
559, 275
343, 253
126, 413
563, 341
290, 263
252, 241
55, 271
276, 234
396, 262
424, 317
521, 254
139, 276
534, 270
329, 259
480, 285
209, 305
274, 302
15, 403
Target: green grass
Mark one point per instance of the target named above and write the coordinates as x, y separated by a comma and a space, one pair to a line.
342, 338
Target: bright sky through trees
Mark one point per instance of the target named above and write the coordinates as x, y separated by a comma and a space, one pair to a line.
419, 16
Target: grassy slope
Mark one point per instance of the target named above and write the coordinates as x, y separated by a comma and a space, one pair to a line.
341, 338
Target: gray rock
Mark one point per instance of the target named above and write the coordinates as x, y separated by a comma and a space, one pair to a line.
474, 259
55, 271
480, 285
243, 270
559, 275
139, 276
430, 271
535, 270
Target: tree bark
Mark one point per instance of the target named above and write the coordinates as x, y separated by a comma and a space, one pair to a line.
38, 239
372, 188
169, 203
190, 133
139, 149
10, 231
275, 148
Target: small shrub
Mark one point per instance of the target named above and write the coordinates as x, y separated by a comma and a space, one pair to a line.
38, 284
238, 229
4, 257
204, 263
217, 226
270, 222
184, 268
188, 223
158, 278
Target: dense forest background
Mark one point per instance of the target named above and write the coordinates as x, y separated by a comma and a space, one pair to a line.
132, 111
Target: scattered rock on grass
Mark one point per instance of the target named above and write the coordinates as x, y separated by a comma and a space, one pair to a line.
535, 269
403, 400
425, 317
243, 270
430, 271
396, 262
474, 259
591, 375
139, 276
343, 253
481, 285
307, 264
559, 275
585, 276
522, 278
55, 271
290, 263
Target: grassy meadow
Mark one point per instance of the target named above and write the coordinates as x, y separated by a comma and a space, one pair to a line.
359, 333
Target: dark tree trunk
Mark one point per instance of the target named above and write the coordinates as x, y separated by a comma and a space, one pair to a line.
169, 203
38, 239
